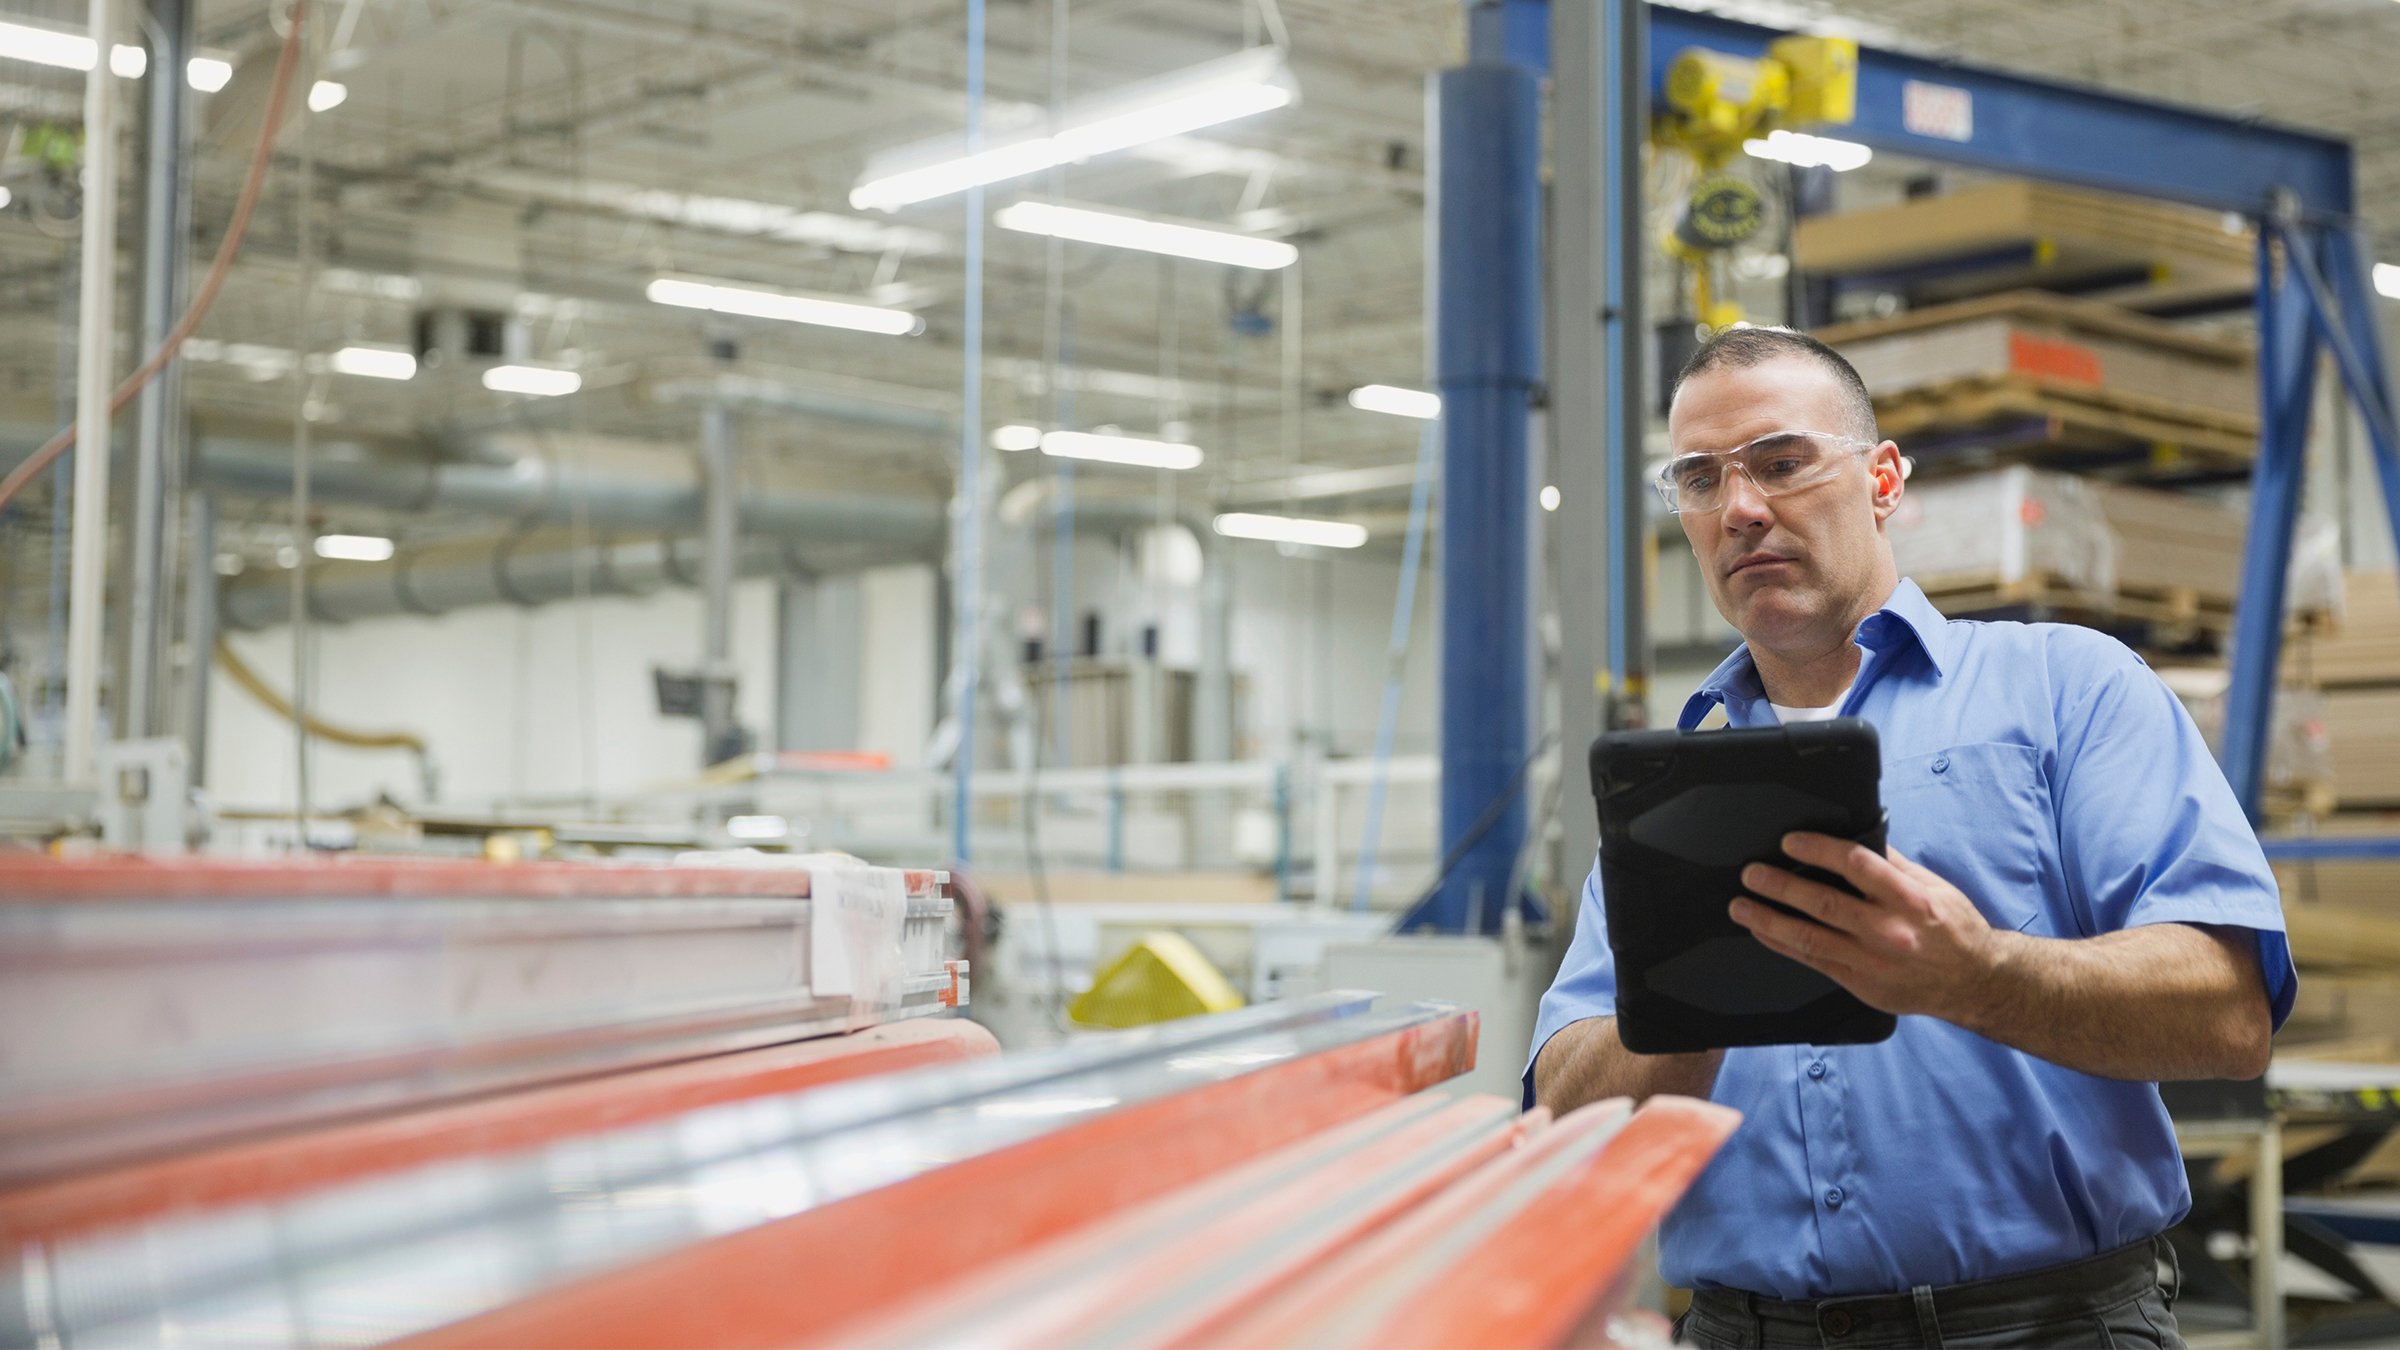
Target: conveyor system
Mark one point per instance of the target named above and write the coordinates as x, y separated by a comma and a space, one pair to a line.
1277, 1175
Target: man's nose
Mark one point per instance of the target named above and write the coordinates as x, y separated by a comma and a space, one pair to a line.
1745, 506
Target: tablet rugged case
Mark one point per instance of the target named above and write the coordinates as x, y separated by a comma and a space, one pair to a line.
1681, 813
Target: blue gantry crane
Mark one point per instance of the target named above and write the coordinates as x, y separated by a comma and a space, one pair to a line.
1613, 60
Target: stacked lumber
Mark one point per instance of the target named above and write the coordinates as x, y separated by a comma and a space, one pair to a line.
2025, 543
2049, 379
2001, 236
2348, 663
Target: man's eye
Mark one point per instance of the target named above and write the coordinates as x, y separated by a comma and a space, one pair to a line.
1697, 482
1785, 466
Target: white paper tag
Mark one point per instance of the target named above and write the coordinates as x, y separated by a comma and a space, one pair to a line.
1943, 111
856, 917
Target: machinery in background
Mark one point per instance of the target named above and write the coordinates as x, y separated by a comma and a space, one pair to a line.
1714, 103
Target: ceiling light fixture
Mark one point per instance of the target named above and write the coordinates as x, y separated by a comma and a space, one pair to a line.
1149, 234
73, 51
1291, 530
325, 96
1213, 92
379, 363
757, 304
1016, 436
1809, 152
1399, 402
2387, 280
354, 547
1550, 497
540, 381
1137, 451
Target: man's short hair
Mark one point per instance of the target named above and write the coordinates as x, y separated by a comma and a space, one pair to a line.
1741, 348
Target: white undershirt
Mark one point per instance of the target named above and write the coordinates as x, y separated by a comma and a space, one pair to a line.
1824, 714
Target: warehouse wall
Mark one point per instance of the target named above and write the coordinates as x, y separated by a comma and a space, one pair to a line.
500, 692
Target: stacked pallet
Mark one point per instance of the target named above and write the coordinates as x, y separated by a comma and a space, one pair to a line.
2352, 663
2041, 545
2061, 382
2145, 253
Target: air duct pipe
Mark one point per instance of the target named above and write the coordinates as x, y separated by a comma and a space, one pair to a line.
437, 582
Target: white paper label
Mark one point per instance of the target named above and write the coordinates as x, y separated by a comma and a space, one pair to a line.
1943, 111
856, 917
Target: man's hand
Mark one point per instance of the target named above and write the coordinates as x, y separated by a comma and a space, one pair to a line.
1909, 942
2153, 1003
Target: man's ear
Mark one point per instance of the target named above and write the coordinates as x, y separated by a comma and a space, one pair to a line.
1887, 470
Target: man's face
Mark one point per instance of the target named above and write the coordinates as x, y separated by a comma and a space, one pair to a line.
1796, 568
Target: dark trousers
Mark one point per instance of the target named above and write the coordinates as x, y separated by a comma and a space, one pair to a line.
2115, 1299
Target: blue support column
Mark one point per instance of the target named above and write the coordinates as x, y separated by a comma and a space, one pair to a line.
1486, 248
2287, 376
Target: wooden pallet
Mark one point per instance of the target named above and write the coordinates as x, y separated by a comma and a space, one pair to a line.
2147, 437
2004, 235
2175, 617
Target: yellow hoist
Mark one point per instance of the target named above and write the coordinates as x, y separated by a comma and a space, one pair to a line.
1715, 102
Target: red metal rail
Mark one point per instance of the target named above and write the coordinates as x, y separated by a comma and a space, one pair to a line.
287, 1163
803, 1277
44, 879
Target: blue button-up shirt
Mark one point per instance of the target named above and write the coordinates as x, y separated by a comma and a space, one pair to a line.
2046, 772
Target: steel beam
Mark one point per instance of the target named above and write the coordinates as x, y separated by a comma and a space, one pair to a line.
2011, 124
2287, 376
158, 435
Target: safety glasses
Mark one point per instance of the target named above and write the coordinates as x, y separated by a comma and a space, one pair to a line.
1777, 463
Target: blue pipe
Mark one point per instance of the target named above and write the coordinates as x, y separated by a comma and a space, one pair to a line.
967, 593
1486, 248
2287, 376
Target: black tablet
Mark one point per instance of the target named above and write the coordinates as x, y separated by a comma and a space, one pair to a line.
1681, 813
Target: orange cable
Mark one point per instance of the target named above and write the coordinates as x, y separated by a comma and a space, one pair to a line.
57, 445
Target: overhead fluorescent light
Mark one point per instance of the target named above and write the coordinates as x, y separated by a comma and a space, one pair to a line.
380, 363
1138, 451
1399, 402
354, 547
1213, 92
1291, 530
1016, 436
1550, 497
541, 381
758, 827
325, 95
758, 304
73, 51
2387, 280
1809, 152
1149, 234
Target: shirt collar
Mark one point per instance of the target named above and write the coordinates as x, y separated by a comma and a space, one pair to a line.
1906, 619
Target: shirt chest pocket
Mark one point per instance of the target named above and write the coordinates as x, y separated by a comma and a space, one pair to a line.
1979, 815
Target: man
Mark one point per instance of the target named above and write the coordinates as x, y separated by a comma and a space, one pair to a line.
2072, 909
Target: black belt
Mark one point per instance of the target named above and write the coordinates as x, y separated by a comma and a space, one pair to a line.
1925, 1315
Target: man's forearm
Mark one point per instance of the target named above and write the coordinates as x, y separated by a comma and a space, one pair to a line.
2158, 1003
1585, 1062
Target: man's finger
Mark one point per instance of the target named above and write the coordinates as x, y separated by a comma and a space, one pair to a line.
1808, 943
1863, 867
1814, 898
1820, 949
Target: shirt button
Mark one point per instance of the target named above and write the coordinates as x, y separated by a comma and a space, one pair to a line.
1834, 1197
1941, 763
1817, 1070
